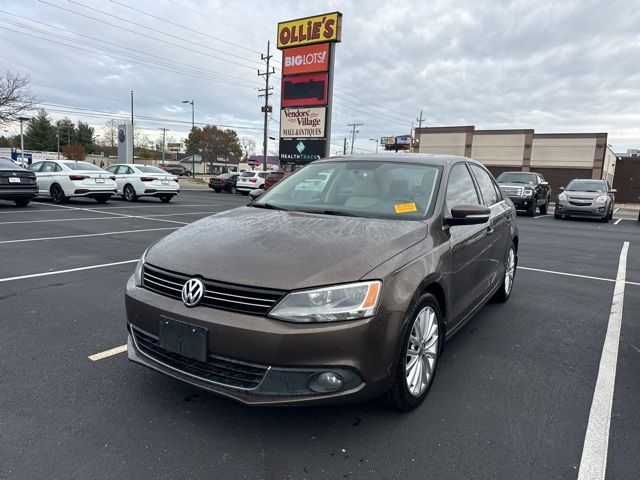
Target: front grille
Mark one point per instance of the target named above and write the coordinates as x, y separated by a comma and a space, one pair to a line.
221, 371
578, 203
512, 191
224, 296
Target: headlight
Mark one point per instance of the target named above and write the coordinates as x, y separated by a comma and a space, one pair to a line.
137, 274
601, 200
528, 192
330, 304
562, 197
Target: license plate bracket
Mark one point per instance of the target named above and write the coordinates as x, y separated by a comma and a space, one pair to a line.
184, 339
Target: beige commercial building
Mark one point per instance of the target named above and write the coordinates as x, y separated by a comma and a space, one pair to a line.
559, 157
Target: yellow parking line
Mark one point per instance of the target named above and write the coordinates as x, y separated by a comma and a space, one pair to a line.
108, 353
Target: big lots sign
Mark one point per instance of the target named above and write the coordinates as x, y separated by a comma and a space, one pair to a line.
308, 59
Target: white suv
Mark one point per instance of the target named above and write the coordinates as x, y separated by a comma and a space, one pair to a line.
248, 181
63, 179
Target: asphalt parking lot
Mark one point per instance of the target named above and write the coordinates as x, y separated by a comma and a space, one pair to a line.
512, 399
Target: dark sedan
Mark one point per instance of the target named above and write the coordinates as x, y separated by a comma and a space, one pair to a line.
225, 182
16, 183
341, 292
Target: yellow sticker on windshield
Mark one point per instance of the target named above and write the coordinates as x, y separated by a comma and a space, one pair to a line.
405, 207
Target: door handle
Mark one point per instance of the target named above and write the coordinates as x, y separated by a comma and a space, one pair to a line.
490, 230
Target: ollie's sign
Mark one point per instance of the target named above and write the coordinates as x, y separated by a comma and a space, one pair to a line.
308, 59
309, 30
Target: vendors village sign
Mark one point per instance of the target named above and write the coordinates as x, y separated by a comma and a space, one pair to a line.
308, 55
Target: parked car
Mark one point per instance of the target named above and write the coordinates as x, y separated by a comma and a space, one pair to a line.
363, 282
176, 169
527, 190
587, 198
272, 179
134, 181
16, 183
250, 180
64, 179
225, 181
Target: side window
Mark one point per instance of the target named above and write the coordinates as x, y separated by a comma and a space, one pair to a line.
460, 188
57, 168
540, 178
489, 194
111, 169
35, 167
48, 167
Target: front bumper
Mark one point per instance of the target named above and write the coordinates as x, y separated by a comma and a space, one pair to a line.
587, 211
521, 203
364, 351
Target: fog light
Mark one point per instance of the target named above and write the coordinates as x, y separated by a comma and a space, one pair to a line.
326, 382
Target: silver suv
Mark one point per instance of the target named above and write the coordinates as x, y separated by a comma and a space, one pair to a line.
588, 198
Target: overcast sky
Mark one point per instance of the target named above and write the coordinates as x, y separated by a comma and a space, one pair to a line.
555, 66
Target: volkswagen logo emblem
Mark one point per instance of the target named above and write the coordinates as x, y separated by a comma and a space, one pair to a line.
192, 292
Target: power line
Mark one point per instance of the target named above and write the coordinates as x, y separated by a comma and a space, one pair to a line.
143, 34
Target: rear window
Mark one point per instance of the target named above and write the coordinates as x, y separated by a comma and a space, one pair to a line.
81, 166
263, 175
247, 174
275, 176
149, 169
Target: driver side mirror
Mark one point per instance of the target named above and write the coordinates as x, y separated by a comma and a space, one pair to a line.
613, 190
254, 194
468, 214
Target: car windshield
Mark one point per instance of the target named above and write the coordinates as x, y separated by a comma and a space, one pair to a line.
82, 166
149, 169
377, 189
516, 177
586, 186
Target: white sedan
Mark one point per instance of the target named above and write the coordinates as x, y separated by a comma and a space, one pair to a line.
63, 179
135, 181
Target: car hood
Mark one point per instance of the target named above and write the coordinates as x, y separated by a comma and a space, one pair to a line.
579, 194
283, 250
515, 185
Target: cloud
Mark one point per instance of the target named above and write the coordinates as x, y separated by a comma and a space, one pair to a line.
551, 66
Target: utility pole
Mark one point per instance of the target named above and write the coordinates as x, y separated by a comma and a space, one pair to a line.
193, 128
266, 94
164, 132
133, 136
344, 148
353, 133
420, 120
22, 119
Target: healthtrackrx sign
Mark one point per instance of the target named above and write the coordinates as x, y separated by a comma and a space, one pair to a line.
308, 53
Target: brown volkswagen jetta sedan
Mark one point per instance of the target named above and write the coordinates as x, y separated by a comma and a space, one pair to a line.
340, 283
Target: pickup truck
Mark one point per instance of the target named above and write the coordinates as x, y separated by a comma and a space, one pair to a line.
527, 190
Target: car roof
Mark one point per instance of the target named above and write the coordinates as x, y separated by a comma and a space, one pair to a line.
418, 158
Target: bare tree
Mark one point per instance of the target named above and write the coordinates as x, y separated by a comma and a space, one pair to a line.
110, 135
15, 96
248, 146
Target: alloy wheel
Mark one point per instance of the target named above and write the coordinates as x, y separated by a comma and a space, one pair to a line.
509, 272
422, 351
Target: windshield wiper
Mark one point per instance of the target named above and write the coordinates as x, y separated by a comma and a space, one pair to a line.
268, 206
331, 212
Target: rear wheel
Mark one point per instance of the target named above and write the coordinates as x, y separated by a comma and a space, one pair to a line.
166, 198
419, 353
129, 193
57, 194
232, 190
510, 265
22, 202
103, 198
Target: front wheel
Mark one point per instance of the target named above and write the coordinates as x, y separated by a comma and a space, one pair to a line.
510, 265
166, 198
22, 202
419, 354
531, 211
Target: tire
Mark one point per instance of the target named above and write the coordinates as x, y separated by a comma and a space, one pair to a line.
531, 211
510, 266
57, 194
405, 394
22, 202
232, 190
217, 190
244, 193
103, 198
605, 219
544, 208
166, 198
557, 216
129, 193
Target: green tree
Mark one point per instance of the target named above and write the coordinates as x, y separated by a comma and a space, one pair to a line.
212, 142
40, 133
67, 131
84, 136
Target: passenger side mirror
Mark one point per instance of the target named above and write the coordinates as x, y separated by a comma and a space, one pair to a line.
560, 188
254, 194
544, 182
468, 214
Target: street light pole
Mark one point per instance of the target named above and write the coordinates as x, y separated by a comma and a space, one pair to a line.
164, 131
22, 119
193, 127
375, 140
58, 140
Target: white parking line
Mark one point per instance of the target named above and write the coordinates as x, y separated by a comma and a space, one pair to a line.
38, 239
616, 210
114, 216
618, 221
593, 464
58, 272
108, 353
37, 210
576, 275
542, 216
